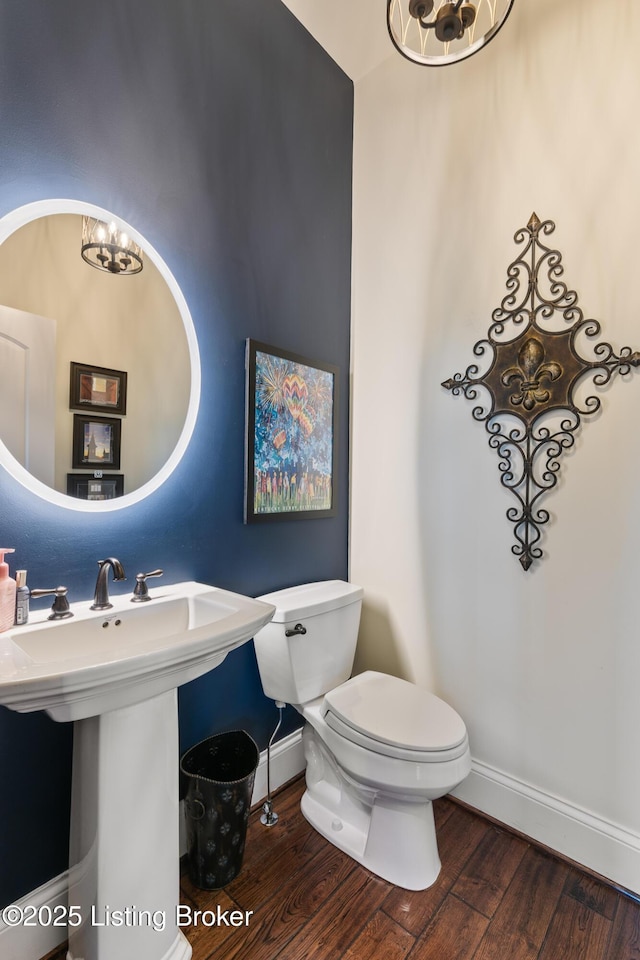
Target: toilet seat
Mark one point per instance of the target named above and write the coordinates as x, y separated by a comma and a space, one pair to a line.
395, 718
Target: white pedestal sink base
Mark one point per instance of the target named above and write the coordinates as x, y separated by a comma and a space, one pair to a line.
115, 674
124, 848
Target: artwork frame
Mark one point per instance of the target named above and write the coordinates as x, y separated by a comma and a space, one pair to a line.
100, 389
95, 486
291, 436
96, 442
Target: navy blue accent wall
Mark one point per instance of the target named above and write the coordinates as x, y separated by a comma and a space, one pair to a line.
223, 132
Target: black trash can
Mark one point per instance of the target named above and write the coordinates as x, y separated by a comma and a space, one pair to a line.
220, 772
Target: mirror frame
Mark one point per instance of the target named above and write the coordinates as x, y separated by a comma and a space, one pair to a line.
19, 217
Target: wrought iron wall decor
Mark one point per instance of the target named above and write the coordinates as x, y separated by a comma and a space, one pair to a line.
532, 395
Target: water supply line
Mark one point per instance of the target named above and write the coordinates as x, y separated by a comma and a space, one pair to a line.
269, 816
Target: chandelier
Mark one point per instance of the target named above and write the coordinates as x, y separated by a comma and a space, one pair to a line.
435, 33
107, 247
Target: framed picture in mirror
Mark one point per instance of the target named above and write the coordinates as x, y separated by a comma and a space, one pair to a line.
96, 442
97, 388
95, 486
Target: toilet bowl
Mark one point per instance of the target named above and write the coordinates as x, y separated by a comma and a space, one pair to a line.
378, 749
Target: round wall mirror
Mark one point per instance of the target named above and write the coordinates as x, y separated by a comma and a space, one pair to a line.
99, 370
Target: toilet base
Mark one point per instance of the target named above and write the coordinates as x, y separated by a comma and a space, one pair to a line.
395, 839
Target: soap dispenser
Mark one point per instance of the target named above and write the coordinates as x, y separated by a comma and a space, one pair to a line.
7, 593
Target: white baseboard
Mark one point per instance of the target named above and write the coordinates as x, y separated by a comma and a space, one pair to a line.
601, 846
31, 943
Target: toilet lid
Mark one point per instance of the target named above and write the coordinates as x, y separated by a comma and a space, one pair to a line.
395, 712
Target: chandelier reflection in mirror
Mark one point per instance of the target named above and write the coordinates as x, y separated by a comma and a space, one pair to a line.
435, 33
539, 366
107, 247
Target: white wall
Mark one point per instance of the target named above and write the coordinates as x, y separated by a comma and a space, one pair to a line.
353, 32
543, 666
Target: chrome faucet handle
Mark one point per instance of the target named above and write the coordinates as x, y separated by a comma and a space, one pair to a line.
60, 606
141, 590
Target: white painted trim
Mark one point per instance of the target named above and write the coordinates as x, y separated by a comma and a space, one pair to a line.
31, 943
602, 846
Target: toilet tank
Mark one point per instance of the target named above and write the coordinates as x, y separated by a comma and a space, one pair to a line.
306, 665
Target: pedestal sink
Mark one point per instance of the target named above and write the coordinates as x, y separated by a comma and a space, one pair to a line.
115, 674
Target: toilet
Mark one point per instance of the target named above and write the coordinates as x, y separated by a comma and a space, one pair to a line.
378, 749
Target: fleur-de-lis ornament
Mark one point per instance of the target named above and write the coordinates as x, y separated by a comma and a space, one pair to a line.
532, 372
528, 393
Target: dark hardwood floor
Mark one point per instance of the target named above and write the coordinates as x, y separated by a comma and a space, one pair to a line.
497, 897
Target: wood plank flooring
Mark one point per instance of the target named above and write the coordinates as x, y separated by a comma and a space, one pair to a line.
497, 897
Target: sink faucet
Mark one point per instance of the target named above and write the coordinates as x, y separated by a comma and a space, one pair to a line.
101, 597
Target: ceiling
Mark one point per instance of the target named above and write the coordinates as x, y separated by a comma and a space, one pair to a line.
353, 32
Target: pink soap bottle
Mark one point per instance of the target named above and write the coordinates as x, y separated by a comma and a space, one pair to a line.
7, 593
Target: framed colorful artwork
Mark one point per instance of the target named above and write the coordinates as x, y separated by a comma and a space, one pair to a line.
96, 442
292, 416
97, 388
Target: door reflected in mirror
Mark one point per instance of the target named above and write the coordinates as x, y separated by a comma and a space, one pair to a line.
73, 339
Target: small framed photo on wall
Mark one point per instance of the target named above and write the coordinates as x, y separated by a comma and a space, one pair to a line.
99, 389
95, 486
96, 442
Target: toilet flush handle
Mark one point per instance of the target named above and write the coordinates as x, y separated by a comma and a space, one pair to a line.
295, 630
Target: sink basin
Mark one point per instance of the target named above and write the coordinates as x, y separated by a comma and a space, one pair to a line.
115, 674
103, 660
